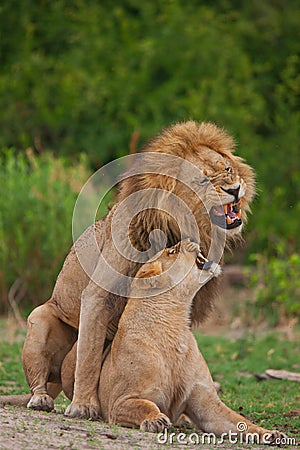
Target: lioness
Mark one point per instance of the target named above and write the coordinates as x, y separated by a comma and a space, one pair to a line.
217, 194
154, 371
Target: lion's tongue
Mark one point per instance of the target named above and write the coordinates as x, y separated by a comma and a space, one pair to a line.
231, 214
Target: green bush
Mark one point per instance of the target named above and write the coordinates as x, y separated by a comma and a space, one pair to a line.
277, 285
85, 77
38, 196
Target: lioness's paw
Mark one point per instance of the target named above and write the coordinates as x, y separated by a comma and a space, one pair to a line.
41, 402
81, 411
266, 437
274, 437
156, 424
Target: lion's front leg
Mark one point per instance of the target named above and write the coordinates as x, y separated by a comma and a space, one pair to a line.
94, 319
139, 413
211, 415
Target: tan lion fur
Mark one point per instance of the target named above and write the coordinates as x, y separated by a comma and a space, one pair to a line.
52, 327
154, 371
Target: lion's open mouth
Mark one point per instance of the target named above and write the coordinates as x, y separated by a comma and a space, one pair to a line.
227, 216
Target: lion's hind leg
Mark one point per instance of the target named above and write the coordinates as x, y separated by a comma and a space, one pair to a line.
47, 342
140, 413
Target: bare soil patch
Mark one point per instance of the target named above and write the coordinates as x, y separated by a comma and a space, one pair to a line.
25, 429
35, 430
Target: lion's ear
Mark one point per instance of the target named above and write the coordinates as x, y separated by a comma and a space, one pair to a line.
148, 278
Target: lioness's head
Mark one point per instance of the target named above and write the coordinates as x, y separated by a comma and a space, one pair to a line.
195, 163
181, 266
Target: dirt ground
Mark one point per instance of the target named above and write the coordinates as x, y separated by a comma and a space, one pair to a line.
34, 430
22, 429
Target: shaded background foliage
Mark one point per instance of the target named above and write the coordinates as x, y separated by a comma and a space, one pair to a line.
83, 76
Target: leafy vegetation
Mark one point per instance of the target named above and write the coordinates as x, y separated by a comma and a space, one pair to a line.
90, 78
277, 285
38, 195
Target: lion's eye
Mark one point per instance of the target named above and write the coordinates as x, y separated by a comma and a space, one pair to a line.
228, 169
172, 251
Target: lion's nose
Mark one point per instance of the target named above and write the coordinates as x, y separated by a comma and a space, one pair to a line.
234, 192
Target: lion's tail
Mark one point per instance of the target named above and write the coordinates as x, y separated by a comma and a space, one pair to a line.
15, 400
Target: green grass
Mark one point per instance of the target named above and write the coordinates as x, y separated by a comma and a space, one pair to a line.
231, 362
12, 378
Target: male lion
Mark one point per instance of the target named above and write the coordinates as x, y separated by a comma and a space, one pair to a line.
217, 194
154, 370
